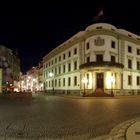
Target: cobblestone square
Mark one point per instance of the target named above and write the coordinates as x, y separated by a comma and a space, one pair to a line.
54, 117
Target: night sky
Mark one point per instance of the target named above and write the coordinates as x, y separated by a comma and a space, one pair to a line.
35, 28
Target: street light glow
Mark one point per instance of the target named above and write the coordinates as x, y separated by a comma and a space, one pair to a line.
84, 80
51, 74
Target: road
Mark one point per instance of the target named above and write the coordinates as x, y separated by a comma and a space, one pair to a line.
57, 117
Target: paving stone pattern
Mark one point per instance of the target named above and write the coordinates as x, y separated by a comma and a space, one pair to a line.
59, 118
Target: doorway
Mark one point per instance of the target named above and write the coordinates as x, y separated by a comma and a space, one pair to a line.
100, 80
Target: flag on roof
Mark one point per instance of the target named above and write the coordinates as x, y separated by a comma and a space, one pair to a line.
99, 15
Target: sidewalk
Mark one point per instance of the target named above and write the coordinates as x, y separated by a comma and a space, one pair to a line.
80, 97
128, 130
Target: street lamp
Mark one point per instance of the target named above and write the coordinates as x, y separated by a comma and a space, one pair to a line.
84, 81
52, 76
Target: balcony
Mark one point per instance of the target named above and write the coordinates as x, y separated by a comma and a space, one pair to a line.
101, 64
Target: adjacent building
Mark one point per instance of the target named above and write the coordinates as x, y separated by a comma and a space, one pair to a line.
32, 80
100, 57
10, 66
0, 80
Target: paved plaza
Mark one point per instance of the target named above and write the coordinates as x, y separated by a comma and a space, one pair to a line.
54, 117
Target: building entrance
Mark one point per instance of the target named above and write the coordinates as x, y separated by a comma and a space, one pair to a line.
100, 80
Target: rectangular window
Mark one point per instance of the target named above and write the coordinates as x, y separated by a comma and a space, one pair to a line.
55, 82
46, 65
88, 59
113, 44
63, 68
55, 60
138, 51
129, 64
55, 71
129, 49
46, 85
63, 81
75, 51
59, 58
75, 80
138, 80
52, 83
69, 54
138, 65
69, 81
59, 82
64, 56
59, 69
75, 65
113, 59
49, 83
87, 46
99, 58
69, 67
129, 80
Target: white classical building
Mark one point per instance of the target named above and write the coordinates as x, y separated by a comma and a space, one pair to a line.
100, 58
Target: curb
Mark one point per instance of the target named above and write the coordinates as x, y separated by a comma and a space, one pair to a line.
118, 132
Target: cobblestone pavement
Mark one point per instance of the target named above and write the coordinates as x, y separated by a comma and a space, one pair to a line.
53, 117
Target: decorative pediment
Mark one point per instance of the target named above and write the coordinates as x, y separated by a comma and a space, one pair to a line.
99, 41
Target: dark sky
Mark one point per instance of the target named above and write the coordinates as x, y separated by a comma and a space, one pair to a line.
35, 28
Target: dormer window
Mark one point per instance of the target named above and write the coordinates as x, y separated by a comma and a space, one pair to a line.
100, 27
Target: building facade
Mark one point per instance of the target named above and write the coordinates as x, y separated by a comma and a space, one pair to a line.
101, 57
10, 65
0, 80
32, 80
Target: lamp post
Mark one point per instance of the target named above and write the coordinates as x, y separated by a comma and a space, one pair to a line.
52, 76
84, 81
